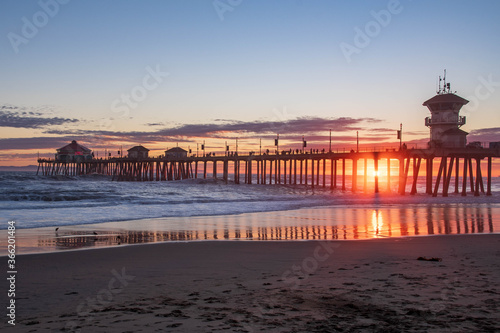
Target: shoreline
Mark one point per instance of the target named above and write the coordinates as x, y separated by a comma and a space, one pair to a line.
236, 241
335, 222
274, 286
338, 199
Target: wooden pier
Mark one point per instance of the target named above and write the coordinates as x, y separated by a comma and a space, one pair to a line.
458, 167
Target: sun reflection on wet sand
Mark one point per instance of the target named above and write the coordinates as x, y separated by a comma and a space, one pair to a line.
377, 222
325, 223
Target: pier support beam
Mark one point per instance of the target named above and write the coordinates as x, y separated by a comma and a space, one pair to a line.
478, 176
401, 175
471, 171
249, 172
305, 171
264, 171
448, 178
488, 190
365, 174
388, 175
270, 172
276, 170
226, 171
295, 171
343, 174
464, 179
429, 171
331, 174
354, 174
416, 169
301, 172
312, 172
317, 172
324, 173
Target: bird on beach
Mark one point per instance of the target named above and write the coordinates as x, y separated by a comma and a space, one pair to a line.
95, 233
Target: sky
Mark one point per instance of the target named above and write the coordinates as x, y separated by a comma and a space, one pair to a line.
115, 74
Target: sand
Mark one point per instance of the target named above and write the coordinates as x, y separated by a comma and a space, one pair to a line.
277, 286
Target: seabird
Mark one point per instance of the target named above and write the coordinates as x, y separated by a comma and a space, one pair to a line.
57, 228
95, 233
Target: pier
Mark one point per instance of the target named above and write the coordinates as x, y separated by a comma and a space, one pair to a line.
459, 163
459, 169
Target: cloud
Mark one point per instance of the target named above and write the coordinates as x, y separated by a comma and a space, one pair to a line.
33, 143
314, 128
21, 117
92, 142
491, 134
232, 128
227, 129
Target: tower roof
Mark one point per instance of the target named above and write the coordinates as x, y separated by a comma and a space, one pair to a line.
445, 99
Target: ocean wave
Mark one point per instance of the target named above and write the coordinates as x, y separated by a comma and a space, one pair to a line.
52, 201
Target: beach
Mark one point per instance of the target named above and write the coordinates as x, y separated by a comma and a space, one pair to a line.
373, 285
248, 259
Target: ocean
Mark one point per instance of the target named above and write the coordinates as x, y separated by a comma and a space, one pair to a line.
93, 211
41, 201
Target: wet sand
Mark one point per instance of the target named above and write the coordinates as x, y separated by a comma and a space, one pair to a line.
339, 222
278, 286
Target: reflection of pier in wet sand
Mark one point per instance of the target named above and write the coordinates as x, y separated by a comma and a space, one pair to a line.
304, 224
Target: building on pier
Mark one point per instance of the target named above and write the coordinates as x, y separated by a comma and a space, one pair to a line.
445, 120
138, 152
176, 152
73, 152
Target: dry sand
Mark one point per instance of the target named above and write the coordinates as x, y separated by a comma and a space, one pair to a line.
231, 286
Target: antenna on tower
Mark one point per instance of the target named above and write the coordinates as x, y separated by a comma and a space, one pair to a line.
446, 87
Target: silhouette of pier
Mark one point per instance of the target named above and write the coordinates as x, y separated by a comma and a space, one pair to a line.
458, 166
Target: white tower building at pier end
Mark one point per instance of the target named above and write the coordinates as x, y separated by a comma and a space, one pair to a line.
445, 120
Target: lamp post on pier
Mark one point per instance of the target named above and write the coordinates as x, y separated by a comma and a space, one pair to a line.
357, 141
330, 149
400, 136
